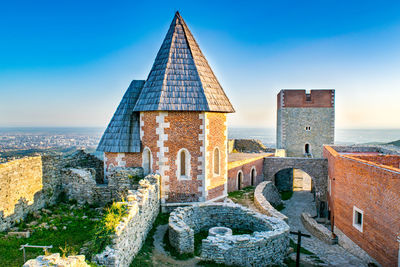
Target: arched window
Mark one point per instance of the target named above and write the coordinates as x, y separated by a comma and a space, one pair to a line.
307, 148
147, 161
183, 164
253, 175
239, 180
216, 161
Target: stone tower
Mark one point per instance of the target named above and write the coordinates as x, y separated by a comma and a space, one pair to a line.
174, 123
305, 121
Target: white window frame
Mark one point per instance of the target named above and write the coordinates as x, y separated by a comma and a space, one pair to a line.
150, 159
219, 163
359, 227
188, 175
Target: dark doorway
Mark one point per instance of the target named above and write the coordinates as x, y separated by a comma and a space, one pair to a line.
253, 177
307, 148
239, 180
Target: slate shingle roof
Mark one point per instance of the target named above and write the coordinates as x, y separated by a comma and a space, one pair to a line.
123, 131
181, 79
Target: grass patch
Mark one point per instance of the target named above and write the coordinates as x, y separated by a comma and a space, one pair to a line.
68, 228
285, 195
143, 258
240, 194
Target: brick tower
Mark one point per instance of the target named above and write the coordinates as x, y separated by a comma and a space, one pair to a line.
174, 123
305, 122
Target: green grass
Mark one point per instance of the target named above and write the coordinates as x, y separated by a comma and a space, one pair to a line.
143, 258
78, 231
285, 195
240, 194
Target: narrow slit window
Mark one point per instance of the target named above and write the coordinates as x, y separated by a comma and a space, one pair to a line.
216, 161
358, 218
183, 163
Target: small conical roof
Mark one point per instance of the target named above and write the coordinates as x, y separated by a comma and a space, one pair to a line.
123, 131
181, 79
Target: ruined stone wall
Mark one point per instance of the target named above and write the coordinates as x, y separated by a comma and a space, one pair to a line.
30, 183
375, 190
266, 246
143, 208
21, 188
56, 260
266, 197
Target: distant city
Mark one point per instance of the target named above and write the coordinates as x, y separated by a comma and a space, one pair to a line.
17, 142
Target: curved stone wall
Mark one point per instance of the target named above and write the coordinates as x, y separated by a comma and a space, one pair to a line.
265, 194
267, 244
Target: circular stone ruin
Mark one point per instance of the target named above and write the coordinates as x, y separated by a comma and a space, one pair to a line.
267, 245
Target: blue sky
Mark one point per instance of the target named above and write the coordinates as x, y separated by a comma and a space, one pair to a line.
68, 63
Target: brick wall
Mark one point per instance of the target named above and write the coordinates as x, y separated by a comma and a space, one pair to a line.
112, 159
246, 168
183, 132
376, 191
216, 134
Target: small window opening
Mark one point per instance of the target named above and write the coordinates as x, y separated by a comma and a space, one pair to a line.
183, 163
308, 97
358, 218
308, 128
216, 161
307, 148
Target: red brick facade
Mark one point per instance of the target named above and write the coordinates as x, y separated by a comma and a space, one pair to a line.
246, 169
372, 188
112, 159
183, 132
216, 138
298, 99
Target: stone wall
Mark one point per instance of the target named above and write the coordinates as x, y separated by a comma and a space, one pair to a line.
316, 168
56, 260
266, 197
143, 208
295, 113
80, 184
316, 229
30, 183
266, 246
249, 146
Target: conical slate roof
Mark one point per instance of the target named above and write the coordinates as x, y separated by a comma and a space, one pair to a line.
123, 131
181, 79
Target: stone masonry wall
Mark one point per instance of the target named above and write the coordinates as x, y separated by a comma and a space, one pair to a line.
30, 183
266, 197
294, 134
266, 246
375, 190
143, 208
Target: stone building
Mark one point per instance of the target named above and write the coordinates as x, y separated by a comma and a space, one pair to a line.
174, 123
305, 121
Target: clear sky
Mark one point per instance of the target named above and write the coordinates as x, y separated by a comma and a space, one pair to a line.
68, 63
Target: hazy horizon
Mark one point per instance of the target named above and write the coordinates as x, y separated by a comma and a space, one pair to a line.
70, 63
